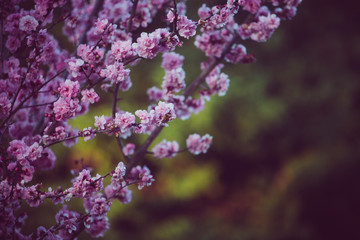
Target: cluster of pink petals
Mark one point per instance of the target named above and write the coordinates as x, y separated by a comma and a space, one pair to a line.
166, 149
142, 175
197, 144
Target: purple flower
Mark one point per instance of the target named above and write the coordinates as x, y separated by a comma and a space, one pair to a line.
218, 83
69, 89
100, 122
128, 149
147, 45
124, 120
74, 66
117, 176
172, 61
120, 171
4, 104
212, 43
204, 11
250, 5
166, 149
28, 23
142, 176
34, 151
174, 81
122, 50
33, 196
68, 222
186, 27
197, 144
100, 206
117, 74
96, 225
18, 149
89, 96
46, 161
66, 108
236, 54
12, 43
90, 55
88, 133
123, 194
84, 185
154, 94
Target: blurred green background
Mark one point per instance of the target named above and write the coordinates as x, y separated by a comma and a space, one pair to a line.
285, 159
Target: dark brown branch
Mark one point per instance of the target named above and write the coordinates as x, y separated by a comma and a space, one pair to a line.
133, 11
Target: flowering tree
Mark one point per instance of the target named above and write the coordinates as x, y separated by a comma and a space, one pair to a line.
43, 86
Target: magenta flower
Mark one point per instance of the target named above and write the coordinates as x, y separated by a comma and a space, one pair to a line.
197, 144
166, 149
28, 23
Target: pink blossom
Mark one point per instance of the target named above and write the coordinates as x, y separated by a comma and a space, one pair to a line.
197, 144
172, 61
212, 44
89, 96
74, 66
128, 149
100, 122
66, 108
174, 81
46, 161
33, 196
28, 23
34, 151
154, 93
69, 222
69, 89
84, 185
12, 43
123, 194
236, 54
218, 83
147, 45
88, 133
17, 148
122, 50
142, 175
117, 74
90, 55
27, 172
204, 11
124, 120
164, 112
117, 176
4, 104
170, 16
96, 225
250, 5
186, 27
100, 26
166, 149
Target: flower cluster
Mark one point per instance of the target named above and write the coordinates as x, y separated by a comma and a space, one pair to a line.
166, 149
44, 84
197, 144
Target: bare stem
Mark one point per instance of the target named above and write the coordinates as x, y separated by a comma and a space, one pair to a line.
133, 11
97, 8
115, 99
